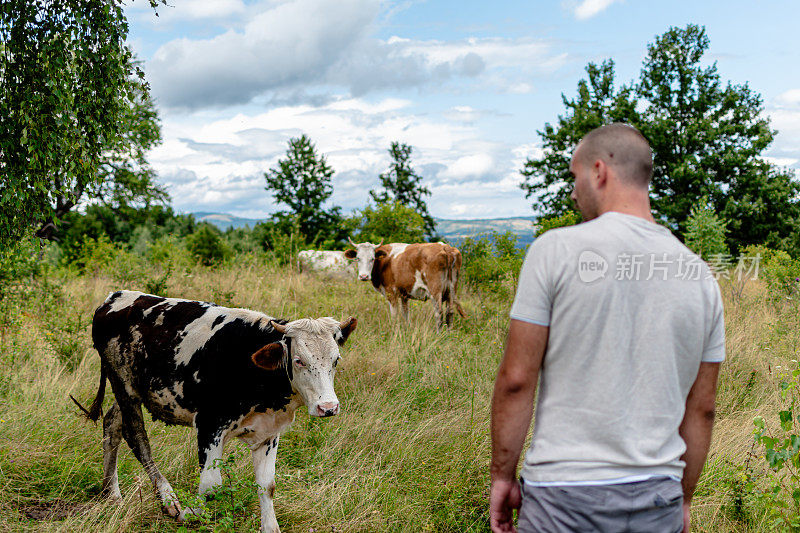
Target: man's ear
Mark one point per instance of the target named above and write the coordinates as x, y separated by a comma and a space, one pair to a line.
269, 357
380, 253
602, 173
350, 254
347, 327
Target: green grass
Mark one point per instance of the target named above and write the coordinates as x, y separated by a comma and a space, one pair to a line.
409, 451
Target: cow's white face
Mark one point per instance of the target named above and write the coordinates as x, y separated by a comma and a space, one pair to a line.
364, 254
314, 354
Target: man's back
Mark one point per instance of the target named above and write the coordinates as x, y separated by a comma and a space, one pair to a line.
631, 314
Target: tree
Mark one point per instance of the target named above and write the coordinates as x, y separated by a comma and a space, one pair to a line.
206, 245
705, 231
302, 182
124, 180
707, 140
548, 180
387, 222
64, 73
401, 184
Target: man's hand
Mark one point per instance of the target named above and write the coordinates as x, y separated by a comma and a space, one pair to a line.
505, 496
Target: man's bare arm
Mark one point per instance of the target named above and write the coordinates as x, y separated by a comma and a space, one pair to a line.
514, 391
695, 429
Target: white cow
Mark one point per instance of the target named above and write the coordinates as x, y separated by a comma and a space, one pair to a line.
327, 262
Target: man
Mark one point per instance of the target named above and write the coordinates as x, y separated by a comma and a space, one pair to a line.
623, 328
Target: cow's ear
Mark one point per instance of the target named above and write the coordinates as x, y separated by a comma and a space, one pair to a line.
380, 253
350, 254
269, 357
347, 327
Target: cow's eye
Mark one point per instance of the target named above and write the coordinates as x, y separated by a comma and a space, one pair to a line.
298, 362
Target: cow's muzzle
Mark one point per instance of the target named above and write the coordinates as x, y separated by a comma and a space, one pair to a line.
327, 408
363, 277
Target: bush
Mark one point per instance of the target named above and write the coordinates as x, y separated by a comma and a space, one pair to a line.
207, 246
569, 218
777, 268
488, 260
387, 221
780, 445
705, 232
93, 255
17, 263
281, 241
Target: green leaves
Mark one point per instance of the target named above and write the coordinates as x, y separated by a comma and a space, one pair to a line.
302, 182
65, 96
388, 221
705, 231
403, 185
707, 139
781, 452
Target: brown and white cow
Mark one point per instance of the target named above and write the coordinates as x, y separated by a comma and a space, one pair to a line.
411, 271
227, 372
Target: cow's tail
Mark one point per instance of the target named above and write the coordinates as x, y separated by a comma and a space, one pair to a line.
452, 282
96, 409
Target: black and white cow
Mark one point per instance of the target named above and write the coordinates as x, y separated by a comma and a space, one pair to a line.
227, 372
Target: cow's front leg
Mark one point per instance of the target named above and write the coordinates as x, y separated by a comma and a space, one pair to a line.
264, 467
209, 454
404, 308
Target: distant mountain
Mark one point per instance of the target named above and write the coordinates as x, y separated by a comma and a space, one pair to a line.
457, 230
452, 230
224, 221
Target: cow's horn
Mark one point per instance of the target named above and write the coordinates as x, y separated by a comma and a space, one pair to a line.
280, 328
351, 241
345, 323
380, 243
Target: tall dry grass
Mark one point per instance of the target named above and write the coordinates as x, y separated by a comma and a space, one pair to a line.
409, 451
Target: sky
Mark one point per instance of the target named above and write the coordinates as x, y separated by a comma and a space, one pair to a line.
467, 84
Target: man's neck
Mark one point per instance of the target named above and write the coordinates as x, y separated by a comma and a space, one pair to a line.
637, 205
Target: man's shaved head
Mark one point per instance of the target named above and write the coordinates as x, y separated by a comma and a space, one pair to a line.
620, 146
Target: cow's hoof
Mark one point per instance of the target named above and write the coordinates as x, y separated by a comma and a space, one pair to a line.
172, 510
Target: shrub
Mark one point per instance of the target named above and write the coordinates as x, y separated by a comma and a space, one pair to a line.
780, 445
207, 246
387, 221
17, 263
93, 254
705, 232
569, 218
488, 260
777, 268
281, 239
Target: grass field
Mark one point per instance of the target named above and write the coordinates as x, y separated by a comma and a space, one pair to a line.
409, 451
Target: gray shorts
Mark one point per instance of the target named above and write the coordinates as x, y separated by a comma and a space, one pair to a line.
650, 506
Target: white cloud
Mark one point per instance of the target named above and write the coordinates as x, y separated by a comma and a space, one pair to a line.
284, 55
788, 98
219, 165
280, 46
589, 8
470, 166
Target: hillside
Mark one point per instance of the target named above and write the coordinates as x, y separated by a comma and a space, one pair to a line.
452, 230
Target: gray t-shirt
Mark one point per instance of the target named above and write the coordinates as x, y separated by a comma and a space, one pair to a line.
632, 312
